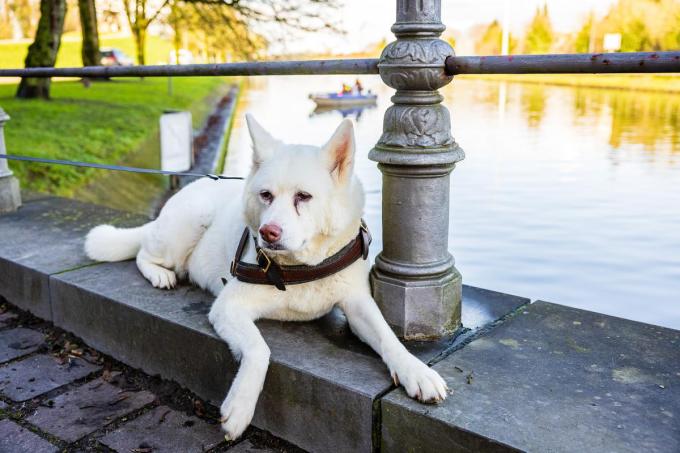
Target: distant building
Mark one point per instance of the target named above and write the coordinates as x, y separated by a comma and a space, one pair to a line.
611, 42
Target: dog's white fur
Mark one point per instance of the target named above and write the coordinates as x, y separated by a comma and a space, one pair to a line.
196, 235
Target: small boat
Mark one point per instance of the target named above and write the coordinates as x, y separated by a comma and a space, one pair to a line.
342, 100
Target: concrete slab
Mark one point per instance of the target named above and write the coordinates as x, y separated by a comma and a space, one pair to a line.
483, 306
164, 430
15, 438
19, 342
319, 371
248, 447
552, 378
87, 408
45, 237
480, 309
28, 378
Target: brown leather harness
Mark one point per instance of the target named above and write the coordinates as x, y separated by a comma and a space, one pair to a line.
267, 272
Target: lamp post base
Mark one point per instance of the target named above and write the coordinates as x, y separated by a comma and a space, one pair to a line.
419, 309
10, 195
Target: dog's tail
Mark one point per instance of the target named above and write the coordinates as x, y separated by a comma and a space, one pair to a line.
108, 243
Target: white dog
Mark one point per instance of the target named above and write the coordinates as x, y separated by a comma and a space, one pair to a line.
304, 205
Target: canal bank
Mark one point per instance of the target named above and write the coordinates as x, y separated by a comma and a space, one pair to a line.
662, 83
529, 376
115, 122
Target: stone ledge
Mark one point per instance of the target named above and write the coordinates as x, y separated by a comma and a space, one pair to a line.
552, 378
44, 237
320, 386
323, 386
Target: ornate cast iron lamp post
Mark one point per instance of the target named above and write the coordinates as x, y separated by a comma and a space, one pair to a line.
10, 197
414, 278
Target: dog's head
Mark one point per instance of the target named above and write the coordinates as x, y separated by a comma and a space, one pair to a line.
301, 199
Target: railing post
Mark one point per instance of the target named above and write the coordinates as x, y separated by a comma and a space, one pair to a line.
414, 279
10, 197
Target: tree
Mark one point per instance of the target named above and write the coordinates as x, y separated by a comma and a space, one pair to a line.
636, 37
584, 39
43, 51
90, 33
491, 41
214, 32
540, 35
139, 21
643, 25
17, 20
268, 16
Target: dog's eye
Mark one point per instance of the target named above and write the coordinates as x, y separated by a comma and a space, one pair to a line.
266, 196
302, 196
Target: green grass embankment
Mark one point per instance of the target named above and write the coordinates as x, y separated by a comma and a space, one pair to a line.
12, 54
102, 123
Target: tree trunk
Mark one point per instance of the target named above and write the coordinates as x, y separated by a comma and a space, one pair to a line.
43, 51
88, 25
140, 40
177, 41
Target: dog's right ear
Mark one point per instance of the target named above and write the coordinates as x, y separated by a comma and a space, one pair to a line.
264, 144
340, 151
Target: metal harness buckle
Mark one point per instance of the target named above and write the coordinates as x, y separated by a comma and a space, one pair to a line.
364, 227
269, 261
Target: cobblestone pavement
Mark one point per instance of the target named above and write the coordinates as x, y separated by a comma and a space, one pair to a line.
56, 394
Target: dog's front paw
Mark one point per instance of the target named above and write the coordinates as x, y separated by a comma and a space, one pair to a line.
237, 413
163, 278
420, 381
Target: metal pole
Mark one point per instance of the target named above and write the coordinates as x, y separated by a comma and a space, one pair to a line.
414, 279
348, 66
624, 62
10, 196
580, 63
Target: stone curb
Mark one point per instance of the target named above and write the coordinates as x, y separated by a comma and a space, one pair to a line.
323, 388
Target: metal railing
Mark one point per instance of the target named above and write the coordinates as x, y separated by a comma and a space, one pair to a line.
347, 66
583, 63
414, 279
593, 63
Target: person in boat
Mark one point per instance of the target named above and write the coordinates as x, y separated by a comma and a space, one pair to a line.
358, 87
346, 89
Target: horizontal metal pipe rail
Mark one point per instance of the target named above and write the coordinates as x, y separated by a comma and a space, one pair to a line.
347, 66
584, 63
631, 62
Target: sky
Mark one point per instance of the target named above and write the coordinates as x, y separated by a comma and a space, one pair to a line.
368, 21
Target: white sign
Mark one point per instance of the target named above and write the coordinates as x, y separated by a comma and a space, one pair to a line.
612, 42
176, 141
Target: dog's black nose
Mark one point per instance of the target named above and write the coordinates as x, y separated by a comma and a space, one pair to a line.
270, 233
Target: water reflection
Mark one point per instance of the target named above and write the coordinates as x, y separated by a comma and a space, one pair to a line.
348, 112
533, 104
566, 194
648, 119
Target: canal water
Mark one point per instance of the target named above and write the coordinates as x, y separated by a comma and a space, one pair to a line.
569, 195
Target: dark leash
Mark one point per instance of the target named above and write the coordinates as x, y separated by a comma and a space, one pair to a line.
74, 163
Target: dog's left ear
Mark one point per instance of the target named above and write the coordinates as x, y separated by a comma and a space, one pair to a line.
340, 151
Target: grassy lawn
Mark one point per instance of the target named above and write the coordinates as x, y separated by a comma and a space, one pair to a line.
12, 55
643, 82
102, 123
